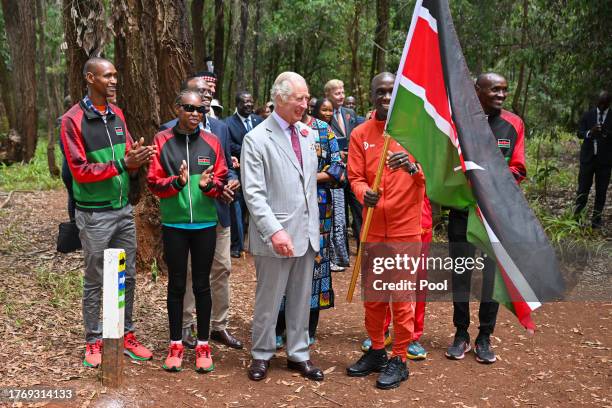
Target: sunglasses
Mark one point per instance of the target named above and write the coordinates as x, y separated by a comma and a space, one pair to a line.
191, 108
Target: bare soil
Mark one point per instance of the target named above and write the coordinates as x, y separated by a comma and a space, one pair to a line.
567, 363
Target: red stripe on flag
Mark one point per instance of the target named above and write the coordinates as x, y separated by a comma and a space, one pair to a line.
521, 308
423, 66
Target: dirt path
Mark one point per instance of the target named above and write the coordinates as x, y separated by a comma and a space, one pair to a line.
567, 363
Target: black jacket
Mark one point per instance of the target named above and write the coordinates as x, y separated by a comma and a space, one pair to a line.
604, 139
237, 131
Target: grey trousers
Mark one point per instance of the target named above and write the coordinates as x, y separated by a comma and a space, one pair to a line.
219, 284
277, 277
99, 231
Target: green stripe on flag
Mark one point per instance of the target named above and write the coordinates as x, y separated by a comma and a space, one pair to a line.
416, 131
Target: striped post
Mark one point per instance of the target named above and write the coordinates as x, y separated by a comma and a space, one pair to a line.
113, 317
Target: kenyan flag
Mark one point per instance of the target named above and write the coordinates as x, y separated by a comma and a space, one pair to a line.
436, 115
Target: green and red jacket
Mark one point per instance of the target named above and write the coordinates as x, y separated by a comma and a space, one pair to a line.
188, 203
95, 147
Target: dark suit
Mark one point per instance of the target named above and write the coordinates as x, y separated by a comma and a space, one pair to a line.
237, 131
594, 163
349, 119
219, 129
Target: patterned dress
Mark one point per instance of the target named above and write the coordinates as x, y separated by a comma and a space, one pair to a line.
330, 162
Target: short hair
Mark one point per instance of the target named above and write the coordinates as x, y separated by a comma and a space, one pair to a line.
184, 84
240, 94
486, 75
91, 62
331, 85
183, 93
283, 85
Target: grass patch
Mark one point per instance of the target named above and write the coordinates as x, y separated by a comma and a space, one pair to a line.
31, 176
64, 288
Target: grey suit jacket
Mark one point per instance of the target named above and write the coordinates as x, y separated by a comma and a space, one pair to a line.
278, 192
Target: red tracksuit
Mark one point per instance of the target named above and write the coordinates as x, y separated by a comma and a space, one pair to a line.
396, 218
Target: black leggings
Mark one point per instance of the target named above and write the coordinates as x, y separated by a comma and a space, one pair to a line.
178, 243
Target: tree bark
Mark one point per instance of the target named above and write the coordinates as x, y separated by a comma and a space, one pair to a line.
19, 19
86, 34
354, 42
244, 23
255, 67
8, 94
516, 99
199, 42
152, 48
174, 61
219, 48
44, 83
381, 36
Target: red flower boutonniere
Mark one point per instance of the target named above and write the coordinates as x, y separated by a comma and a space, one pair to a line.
347, 117
304, 132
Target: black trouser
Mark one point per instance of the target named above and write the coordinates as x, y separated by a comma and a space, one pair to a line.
585, 181
356, 211
178, 243
313, 323
459, 247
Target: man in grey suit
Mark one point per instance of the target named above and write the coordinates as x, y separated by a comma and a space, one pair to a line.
279, 182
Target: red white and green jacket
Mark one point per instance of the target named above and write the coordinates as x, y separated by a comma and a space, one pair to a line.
188, 204
95, 145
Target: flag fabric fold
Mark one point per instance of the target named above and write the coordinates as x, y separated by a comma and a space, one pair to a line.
436, 115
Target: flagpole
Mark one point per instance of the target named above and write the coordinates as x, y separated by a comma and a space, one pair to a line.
368, 219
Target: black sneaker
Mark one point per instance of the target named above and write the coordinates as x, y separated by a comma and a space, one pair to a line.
457, 350
373, 360
392, 376
483, 351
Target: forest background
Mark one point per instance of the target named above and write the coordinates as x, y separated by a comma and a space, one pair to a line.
555, 53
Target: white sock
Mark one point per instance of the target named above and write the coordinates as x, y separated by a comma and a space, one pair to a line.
176, 342
202, 343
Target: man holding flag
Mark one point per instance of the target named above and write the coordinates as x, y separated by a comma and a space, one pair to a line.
437, 113
509, 132
396, 218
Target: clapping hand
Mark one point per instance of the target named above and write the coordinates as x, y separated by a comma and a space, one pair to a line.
183, 174
229, 191
207, 178
139, 154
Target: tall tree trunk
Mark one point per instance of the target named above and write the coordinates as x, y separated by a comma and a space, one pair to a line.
255, 67
152, 48
173, 47
199, 42
354, 42
381, 36
8, 94
516, 99
231, 33
19, 20
244, 23
42, 66
86, 34
526, 93
218, 57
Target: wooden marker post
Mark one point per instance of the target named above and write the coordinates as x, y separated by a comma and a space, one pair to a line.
113, 317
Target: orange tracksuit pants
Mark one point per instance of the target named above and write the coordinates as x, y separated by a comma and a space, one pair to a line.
403, 314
